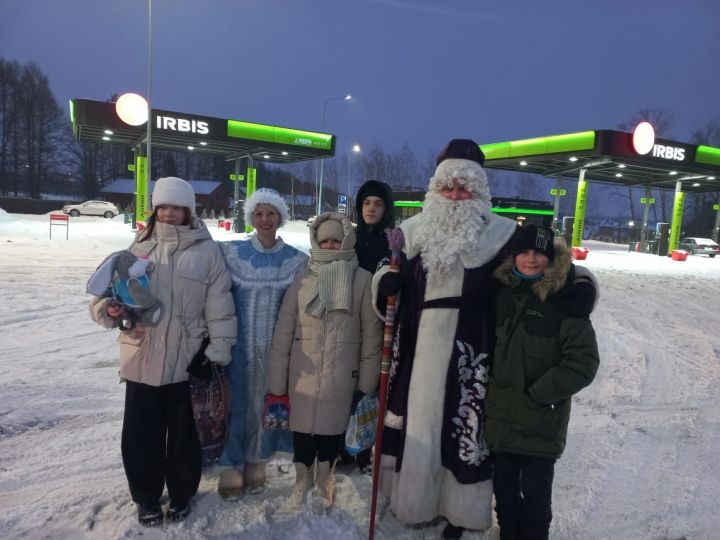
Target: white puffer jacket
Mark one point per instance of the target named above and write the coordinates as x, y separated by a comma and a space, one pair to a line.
192, 282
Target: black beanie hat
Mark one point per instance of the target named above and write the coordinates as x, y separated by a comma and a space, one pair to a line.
533, 237
374, 189
461, 149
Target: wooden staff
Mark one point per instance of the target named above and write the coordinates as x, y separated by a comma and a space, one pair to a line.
396, 241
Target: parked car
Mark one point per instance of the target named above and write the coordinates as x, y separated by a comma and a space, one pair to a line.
92, 208
700, 246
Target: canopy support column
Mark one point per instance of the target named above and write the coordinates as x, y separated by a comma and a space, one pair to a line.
716, 230
250, 186
677, 215
646, 213
141, 184
580, 205
556, 208
237, 214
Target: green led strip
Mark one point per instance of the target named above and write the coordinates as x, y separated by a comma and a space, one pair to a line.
409, 204
496, 209
707, 154
499, 210
570, 142
274, 134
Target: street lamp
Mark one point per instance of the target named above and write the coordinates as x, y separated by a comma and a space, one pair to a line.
347, 97
356, 149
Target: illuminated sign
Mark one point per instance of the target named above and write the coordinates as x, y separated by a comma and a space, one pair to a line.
182, 125
132, 109
644, 142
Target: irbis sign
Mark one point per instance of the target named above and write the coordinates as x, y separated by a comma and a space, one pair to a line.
183, 125
668, 152
644, 142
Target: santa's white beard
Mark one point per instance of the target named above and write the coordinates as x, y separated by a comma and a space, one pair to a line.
446, 230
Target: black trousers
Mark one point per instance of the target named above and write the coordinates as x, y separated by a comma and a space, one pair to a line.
523, 496
325, 447
159, 443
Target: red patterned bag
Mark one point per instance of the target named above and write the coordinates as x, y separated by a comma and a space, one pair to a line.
211, 409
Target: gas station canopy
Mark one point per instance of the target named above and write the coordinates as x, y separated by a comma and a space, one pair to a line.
98, 122
614, 157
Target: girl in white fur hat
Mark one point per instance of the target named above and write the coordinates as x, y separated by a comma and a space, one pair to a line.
160, 444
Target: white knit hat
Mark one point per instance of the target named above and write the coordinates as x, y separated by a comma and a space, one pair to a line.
266, 196
173, 191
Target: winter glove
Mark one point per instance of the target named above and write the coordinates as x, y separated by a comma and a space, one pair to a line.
98, 312
200, 367
390, 284
357, 396
578, 299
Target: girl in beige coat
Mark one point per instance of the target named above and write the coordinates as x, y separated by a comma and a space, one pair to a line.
159, 441
326, 346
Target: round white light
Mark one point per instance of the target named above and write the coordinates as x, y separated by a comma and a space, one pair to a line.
711, 178
523, 163
132, 109
643, 138
696, 184
284, 153
618, 175
266, 156
621, 166
108, 132
106, 138
191, 148
203, 143
672, 173
573, 158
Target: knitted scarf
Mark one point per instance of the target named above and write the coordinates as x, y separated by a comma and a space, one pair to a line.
331, 272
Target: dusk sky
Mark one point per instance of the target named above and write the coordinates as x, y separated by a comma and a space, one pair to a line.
420, 71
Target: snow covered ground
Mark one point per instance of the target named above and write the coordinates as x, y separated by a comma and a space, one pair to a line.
642, 450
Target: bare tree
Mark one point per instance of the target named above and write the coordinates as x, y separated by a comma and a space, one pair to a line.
9, 95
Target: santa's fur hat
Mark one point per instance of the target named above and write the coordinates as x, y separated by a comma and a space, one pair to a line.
461, 159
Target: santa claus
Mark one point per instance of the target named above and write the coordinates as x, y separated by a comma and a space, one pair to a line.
435, 458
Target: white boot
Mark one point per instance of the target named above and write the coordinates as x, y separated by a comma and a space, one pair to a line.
303, 483
255, 477
231, 483
325, 482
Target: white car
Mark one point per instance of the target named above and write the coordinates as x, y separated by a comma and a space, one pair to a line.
700, 246
92, 208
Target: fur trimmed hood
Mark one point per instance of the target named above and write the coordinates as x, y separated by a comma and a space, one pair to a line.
555, 277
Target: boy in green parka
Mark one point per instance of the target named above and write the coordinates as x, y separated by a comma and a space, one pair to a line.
545, 352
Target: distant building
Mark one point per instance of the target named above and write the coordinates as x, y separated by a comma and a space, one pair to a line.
210, 195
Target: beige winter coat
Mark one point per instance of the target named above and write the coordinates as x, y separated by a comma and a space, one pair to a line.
193, 284
320, 362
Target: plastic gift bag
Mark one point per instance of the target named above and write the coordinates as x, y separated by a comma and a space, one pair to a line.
360, 433
276, 413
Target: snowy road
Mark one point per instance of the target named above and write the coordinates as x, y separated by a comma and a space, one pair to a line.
642, 449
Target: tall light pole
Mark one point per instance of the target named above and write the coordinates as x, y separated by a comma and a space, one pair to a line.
347, 97
356, 149
149, 97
